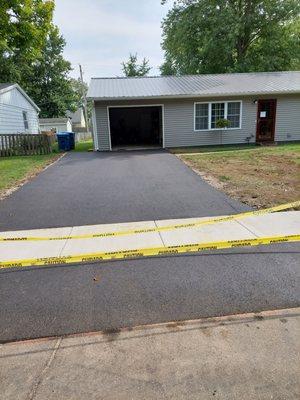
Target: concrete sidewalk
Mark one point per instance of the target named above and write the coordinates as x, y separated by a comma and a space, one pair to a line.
276, 224
250, 356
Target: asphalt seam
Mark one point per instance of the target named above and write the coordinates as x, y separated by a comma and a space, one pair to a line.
201, 323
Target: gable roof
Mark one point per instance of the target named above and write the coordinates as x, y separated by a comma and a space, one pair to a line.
5, 87
195, 85
75, 116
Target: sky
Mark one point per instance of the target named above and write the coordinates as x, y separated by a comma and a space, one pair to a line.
100, 34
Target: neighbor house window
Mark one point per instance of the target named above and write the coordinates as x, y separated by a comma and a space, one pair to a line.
207, 114
25, 119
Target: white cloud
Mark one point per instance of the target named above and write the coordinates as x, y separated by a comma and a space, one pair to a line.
100, 34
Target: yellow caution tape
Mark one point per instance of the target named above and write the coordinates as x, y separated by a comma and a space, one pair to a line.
209, 221
147, 252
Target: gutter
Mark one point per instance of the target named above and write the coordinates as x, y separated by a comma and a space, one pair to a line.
193, 96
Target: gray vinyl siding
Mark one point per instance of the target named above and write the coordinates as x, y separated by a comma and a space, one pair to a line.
178, 121
179, 125
102, 126
287, 119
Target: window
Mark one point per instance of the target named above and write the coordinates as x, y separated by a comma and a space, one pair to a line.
207, 114
234, 113
201, 116
25, 120
217, 112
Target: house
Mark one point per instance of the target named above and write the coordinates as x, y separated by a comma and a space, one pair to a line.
18, 112
176, 111
55, 124
77, 118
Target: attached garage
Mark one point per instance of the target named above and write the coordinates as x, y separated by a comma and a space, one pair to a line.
135, 126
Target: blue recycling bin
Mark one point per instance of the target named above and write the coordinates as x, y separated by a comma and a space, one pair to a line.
63, 139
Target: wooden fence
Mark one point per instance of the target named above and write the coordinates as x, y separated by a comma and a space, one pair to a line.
24, 145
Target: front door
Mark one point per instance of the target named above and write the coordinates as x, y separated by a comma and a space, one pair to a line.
266, 116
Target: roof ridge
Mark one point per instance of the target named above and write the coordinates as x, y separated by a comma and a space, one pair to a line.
5, 85
127, 77
193, 75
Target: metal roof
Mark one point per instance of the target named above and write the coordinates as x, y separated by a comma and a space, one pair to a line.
195, 85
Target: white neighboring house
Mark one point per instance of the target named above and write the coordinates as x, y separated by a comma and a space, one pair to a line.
77, 118
18, 112
56, 124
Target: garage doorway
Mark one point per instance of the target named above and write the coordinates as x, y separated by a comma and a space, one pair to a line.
136, 127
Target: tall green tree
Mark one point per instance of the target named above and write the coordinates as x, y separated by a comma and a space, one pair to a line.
31, 54
133, 68
217, 36
24, 25
48, 81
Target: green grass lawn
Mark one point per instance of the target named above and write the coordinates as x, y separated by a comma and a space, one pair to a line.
79, 146
261, 177
230, 148
84, 146
14, 170
209, 149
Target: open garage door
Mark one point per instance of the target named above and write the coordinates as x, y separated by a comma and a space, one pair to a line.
136, 126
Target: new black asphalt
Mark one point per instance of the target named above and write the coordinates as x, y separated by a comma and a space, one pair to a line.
91, 188
95, 188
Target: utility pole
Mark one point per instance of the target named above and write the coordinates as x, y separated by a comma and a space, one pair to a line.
84, 101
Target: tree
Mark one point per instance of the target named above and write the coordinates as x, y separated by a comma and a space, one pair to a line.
24, 25
31, 54
81, 89
132, 68
217, 36
48, 82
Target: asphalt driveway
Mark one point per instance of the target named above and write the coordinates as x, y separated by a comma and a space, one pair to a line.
92, 188
88, 188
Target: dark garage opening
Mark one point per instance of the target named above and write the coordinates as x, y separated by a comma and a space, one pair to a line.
136, 126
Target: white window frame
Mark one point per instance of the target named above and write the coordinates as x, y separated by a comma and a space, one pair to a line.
25, 120
225, 114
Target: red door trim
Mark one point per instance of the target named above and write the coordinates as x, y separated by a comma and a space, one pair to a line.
274, 101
